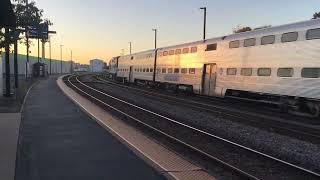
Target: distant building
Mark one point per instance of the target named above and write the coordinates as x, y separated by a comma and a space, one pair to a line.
96, 65
81, 68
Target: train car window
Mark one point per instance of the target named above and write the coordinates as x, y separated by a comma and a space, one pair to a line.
165, 53
264, 72
159, 54
232, 71
170, 70
171, 52
313, 34
289, 37
246, 71
192, 71
178, 51
194, 49
184, 70
211, 47
285, 72
185, 50
164, 70
176, 70
249, 42
268, 39
158, 70
151, 69
144, 70
147, 70
132, 57
234, 44
310, 72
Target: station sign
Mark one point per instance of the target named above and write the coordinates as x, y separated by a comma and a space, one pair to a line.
39, 32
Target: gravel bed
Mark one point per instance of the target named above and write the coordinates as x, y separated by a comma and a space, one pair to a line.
293, 150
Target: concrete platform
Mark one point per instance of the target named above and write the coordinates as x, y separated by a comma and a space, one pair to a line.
9, 132
59, 141
171, 164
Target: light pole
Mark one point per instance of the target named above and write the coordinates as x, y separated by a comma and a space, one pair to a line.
130, 44
155, 38
27, 37
61, 58
71, 65
204, 21
50, 54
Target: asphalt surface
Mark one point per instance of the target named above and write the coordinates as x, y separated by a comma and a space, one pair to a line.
58, 141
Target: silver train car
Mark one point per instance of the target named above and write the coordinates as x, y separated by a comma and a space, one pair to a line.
280, 65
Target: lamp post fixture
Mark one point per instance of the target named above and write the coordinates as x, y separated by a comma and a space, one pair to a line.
204, 21
155, 37
61, 58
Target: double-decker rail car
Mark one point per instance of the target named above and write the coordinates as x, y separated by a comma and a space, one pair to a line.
276, 64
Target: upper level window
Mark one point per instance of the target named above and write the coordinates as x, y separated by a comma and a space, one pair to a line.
192, 71
246, 71
164, 70
211, 47
151, 69
170, 70
232, 71
147, 70
132, 57
234, 44
178, 51
160, 54
249, 42
285, 72
268, 39
313, 34
264, 72
185, 50
171, 52
310, 72
289, 37
194, 49
165, 53
176, 70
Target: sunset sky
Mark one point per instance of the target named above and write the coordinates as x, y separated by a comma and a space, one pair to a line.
101, 28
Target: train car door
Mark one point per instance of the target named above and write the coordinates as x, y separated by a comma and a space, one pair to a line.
131, 74
209, 79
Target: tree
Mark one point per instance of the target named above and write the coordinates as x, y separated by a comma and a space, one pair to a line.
316, 15
240, 29
27, 16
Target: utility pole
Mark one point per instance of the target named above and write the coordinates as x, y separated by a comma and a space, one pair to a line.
130, 43
204, 21
155, 38
16, 83
38, 50
27, 36
61, 58
71, 65
7, 63
50, 60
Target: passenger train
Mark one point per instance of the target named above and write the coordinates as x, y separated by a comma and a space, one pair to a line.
279, 65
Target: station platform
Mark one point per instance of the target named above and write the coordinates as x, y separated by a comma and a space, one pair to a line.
59, 141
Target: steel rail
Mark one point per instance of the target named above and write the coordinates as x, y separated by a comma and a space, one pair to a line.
198, 130
225, 109
233, 168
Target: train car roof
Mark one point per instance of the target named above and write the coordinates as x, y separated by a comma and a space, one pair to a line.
298, 26
314, 23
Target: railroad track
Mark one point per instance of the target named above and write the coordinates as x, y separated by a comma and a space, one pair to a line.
298, 130
247, 163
